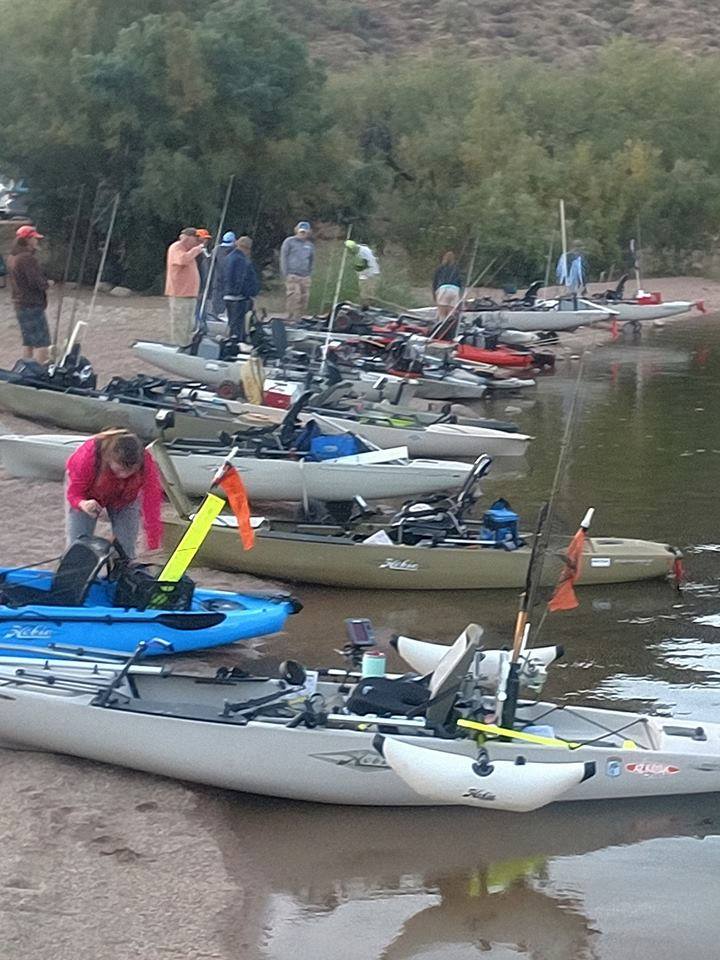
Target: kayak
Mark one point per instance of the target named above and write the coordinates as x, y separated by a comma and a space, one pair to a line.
273, 475
396, 554
501, 357
335, 737
75, 605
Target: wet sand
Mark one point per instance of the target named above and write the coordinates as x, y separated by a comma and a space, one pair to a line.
107, 863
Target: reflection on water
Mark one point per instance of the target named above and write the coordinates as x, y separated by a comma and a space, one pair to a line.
397, 884
607, 881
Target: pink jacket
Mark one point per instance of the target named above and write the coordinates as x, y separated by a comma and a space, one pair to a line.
86, 482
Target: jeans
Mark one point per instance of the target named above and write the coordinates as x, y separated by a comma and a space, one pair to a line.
236, 311
125, 524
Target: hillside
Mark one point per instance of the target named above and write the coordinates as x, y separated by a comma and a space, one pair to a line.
343, 33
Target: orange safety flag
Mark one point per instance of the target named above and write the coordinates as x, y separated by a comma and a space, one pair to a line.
231, 483
564, 596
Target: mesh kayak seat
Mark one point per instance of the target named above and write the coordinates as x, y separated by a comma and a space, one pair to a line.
80, 565
432, 697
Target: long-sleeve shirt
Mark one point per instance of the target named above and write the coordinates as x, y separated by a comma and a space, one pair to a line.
182, 278
28, 283
87, 479
366, 263
297, 257
234, 274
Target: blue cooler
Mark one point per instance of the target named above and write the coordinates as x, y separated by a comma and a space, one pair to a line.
500, 525
329, 447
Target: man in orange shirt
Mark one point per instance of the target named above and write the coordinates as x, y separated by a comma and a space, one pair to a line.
182, 283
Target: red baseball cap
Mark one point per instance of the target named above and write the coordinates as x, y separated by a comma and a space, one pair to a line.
203, 233
26, 232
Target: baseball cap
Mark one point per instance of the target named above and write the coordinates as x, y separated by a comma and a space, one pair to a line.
26, 232
229, 238
351, 245
202, 233
303, 225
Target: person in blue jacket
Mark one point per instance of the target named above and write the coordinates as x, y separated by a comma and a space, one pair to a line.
241, 286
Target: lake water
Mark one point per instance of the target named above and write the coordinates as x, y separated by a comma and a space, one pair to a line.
615, 881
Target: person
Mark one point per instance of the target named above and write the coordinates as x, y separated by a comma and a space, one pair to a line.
571, 269
182, 284
447, 286
242, 284
366, 263
203, 264
113, 472
226, 247
28, 285
297, 259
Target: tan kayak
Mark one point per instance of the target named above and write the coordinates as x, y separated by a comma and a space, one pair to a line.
312, 553
330, 555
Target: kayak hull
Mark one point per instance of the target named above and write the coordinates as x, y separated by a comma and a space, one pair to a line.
302, 554
175, 728
120, 630
45, 456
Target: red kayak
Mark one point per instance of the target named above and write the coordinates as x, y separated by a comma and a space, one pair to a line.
501, 357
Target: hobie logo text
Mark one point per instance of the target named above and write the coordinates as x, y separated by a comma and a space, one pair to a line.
391, 564
27, 633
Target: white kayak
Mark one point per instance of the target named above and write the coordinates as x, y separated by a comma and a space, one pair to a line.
632, 311
311, 735
213, 372
545, 315
455, 384
43, 457
443, 440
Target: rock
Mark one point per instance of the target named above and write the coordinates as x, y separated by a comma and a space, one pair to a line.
120, 292
105, 287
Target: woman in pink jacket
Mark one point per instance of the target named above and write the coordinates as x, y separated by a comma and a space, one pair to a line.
113, 472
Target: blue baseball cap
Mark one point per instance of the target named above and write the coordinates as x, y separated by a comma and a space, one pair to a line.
229, 238
303, 225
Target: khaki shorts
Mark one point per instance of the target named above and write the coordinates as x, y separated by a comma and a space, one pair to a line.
448, 295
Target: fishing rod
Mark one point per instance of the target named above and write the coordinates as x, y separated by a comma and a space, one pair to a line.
66, 271
213, 256
85, 253
509, 685
336, 300
103, 257
548, 264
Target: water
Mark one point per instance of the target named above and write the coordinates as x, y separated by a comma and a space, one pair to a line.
609, 881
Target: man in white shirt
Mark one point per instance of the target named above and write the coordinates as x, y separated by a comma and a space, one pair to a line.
366, 263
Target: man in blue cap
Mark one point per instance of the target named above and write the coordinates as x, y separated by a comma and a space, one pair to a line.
226, 247
297, 258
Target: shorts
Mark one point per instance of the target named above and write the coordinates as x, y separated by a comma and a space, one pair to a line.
33, 326
448, 295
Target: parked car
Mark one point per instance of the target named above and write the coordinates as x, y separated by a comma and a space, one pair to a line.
13, 198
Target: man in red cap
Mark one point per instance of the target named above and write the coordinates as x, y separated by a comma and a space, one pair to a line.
182, 283
28, 285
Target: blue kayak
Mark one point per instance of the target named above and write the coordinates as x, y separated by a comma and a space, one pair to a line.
76, 606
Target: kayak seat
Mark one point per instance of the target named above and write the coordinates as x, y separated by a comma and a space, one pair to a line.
384, 696
432, 697
80, 565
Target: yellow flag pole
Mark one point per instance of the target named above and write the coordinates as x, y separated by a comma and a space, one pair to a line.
198, 529
192, 539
